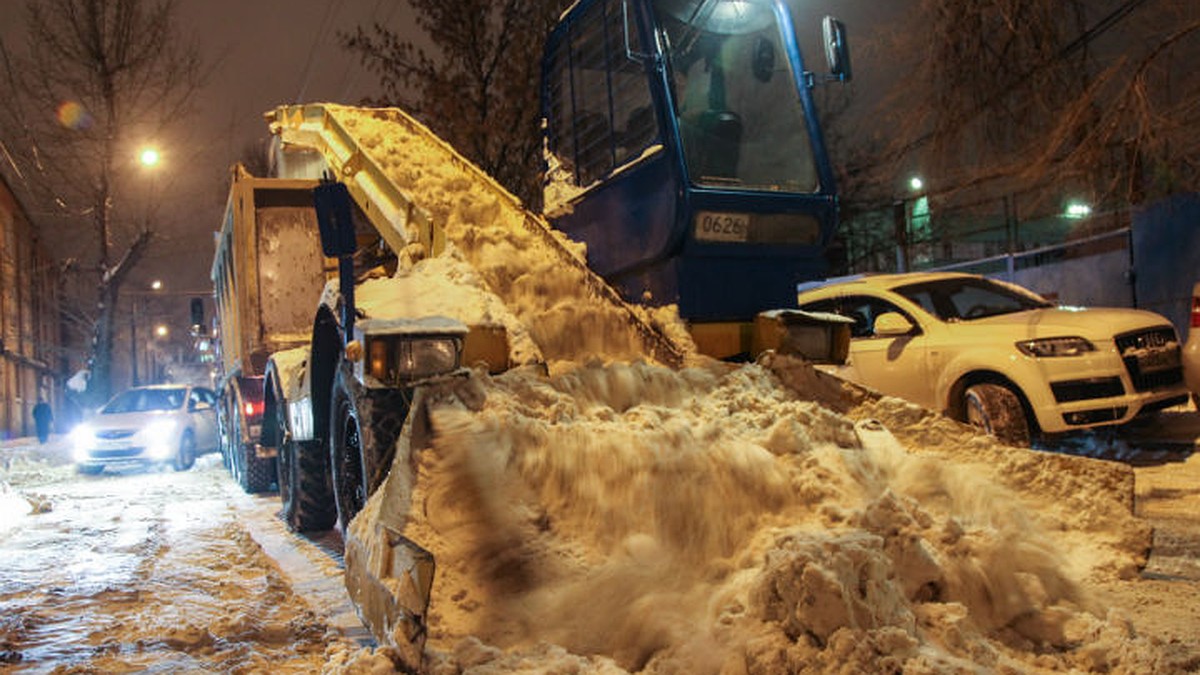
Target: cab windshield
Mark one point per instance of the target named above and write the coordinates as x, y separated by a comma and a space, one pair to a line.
739, 113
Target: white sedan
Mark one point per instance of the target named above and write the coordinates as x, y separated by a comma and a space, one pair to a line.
1002, 357
154, 425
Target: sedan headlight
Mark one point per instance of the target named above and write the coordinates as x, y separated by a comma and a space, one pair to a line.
1054, 347
159, 436
83, 438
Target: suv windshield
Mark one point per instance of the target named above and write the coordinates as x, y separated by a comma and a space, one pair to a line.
741, 122
142, 400
964, 299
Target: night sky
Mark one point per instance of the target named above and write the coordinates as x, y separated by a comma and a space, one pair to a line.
263, 53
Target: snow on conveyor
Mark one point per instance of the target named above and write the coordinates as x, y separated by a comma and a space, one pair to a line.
540, 274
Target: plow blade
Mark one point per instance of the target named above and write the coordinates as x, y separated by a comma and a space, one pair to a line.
389, 579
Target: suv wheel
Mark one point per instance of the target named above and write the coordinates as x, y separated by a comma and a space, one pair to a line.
997, 410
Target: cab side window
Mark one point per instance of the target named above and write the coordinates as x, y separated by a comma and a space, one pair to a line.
599, 111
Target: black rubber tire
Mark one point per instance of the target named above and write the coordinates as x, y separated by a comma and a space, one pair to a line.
226, 436
305, 488
997, 410
186, 456
362, 441
89, 469
255, 475
252, 473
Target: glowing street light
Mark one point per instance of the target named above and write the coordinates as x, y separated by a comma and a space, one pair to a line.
156, 285
149, 157
916, 184
161, 330
1077, 210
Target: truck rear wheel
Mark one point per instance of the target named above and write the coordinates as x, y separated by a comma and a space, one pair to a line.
362, 442
252, 473
997, 410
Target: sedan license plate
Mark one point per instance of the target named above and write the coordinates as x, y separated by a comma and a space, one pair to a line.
722, 226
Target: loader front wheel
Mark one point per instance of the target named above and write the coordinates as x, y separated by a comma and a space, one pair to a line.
305, 492
304, 488
346, 454
997, 410
362, 441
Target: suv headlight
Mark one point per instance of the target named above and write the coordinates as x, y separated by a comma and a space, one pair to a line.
393, 359
1052, 347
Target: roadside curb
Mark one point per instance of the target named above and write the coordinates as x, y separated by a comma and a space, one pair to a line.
313, 573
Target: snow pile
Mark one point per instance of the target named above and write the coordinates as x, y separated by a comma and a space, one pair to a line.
447, 286
632, 518
623, 517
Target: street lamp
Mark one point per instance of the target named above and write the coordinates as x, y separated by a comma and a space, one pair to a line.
1077, 210
149, 156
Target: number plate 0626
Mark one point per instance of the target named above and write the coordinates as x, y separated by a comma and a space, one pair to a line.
722, 226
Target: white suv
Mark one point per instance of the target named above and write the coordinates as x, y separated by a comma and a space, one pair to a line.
1002, 357
1191, 350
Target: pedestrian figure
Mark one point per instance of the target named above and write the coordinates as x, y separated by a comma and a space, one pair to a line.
41, 419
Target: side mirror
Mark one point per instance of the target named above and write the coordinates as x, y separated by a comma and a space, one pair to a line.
892, 324
837, 49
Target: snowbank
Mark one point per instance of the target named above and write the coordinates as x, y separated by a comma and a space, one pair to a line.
633, 518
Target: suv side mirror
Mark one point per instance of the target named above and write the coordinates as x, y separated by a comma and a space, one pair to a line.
892, 324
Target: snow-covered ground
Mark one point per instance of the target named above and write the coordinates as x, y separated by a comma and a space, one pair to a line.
165, 571
147, 571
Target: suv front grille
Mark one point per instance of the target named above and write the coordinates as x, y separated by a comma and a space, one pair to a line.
1082, 390
1145, 354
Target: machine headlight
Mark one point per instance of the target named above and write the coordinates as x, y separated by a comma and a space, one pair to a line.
403, 358
1053, 347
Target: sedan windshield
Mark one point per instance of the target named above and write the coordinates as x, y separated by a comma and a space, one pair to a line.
964, 299
142, 400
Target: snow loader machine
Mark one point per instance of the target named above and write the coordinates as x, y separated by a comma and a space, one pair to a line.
682, 149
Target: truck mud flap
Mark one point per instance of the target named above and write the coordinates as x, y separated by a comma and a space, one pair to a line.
390, 580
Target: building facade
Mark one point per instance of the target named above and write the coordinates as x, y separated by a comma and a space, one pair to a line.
30, 336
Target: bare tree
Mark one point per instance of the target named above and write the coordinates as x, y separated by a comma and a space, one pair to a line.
478, 87
1010, 95
112, 71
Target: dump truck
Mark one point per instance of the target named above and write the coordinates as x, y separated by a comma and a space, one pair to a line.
688, 190
267, 269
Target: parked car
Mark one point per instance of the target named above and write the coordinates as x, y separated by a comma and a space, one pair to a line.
1002, 357
1191, 350
152, 425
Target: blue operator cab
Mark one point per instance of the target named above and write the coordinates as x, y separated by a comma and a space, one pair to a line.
683, 147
